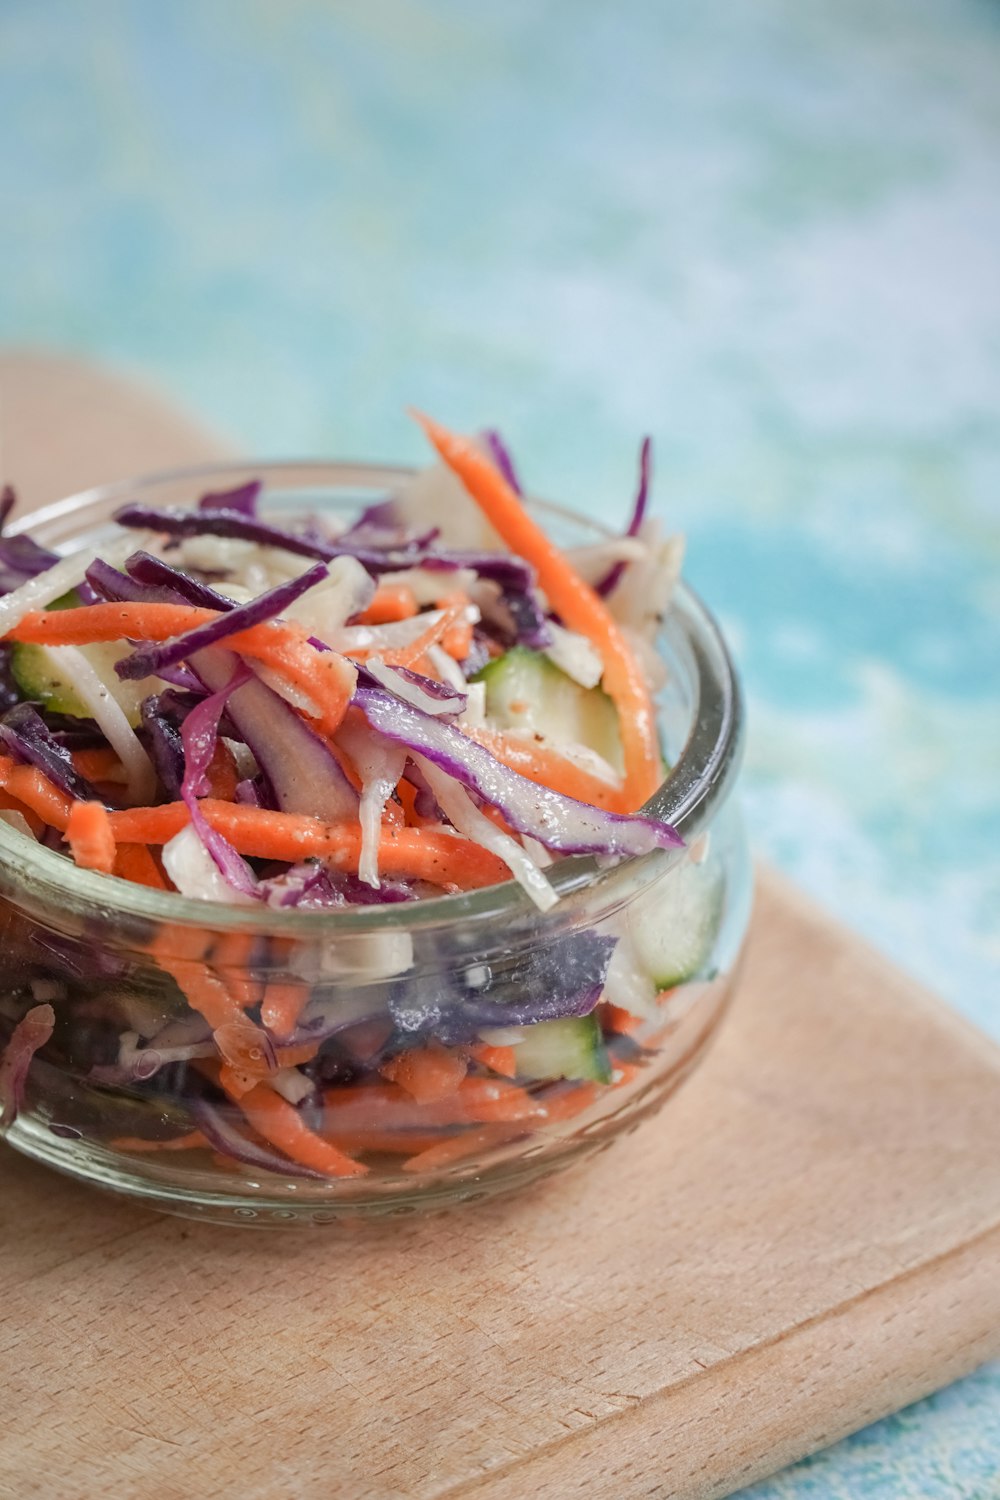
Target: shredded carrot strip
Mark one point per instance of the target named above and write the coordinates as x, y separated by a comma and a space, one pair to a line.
620, 1021
570, 1102
546, 767
29, 786
408, 656
575, 601
206, 993
283, 1003
221, 774
502, 1060
134, 862
419, 853
387, 1142
477, 1101
428, 1073
90, 623
99, 763
458, 1147
392, 601
88, 833
34, 822
324, 677
281, 1125
457, 639
233, 961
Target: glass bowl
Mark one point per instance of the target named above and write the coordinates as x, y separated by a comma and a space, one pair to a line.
123, 1096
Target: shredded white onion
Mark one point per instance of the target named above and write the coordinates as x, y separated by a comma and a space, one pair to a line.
195, 873
435, 497
459, 808
503, 1036
474, 715
626, 983
246, 761
292, 1085
643, 595
105, 709
593, 560
411, 692
428, 584
537, 852
380, 764
55, 581
447, 669
251, 567
292, 694
573, 654
346, 590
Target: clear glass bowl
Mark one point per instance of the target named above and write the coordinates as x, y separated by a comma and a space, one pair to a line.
86, 943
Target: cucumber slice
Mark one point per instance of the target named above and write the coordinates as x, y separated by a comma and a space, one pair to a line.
573, 1048
41, 680
525, 690
673, 932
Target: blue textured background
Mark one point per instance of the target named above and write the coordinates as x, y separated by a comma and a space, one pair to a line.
766, 232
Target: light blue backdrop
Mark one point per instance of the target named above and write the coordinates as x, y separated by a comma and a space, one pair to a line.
766, 232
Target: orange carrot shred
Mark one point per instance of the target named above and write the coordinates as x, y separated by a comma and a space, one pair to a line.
282, 1126
428, 1073
89, 835
575, 601
502, 1060
134, 862
392, 601
458, 1147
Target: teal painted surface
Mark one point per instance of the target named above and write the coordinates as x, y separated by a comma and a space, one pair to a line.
765, 232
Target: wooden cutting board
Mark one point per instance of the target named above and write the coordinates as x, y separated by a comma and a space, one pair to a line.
806, 1238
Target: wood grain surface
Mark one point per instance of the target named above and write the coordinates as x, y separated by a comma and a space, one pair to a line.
806, 1238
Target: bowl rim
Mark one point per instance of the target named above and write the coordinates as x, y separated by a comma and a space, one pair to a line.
695, 787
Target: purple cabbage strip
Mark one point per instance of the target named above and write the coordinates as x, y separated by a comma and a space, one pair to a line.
225, 1138
243, 498
30, 1033
425, 803
248, 793
442, 692
149, 580
148, 660
303, 774
312, 886
21, 557
500, 455
26, 735
178, 587
463, 1022
84, 957
199, 734
163, 715
612, 578
515, 578
560, 823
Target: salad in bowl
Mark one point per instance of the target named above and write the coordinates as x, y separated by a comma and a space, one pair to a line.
366, 837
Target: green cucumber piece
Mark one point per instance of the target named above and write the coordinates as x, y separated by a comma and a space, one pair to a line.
525, 690
673, 931
573, 1048
40, 680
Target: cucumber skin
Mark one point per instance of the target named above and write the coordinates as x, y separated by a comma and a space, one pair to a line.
38, 684
556, 708
572, 1048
